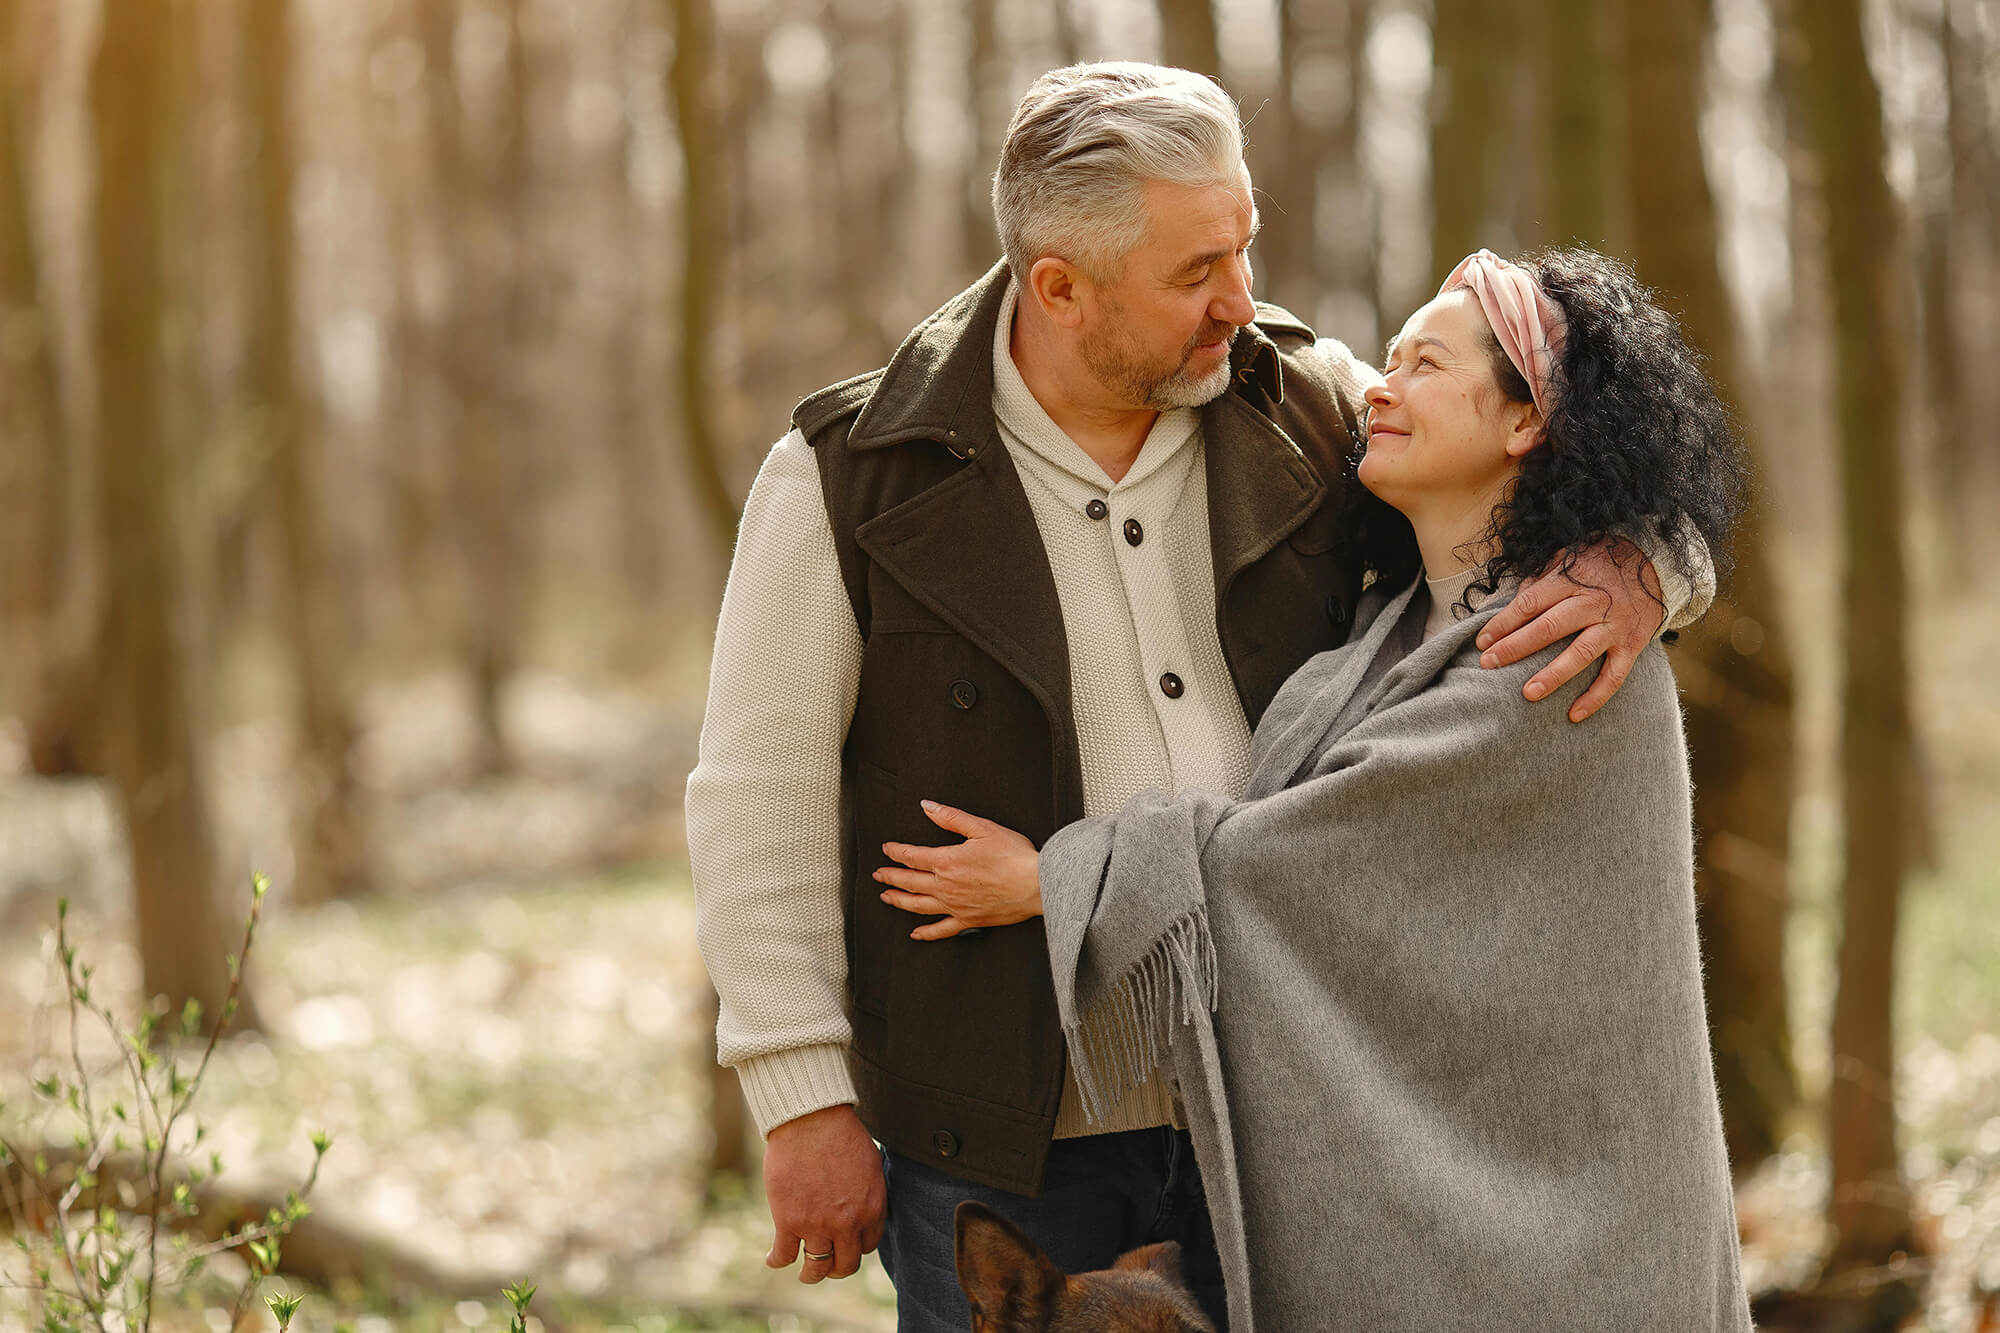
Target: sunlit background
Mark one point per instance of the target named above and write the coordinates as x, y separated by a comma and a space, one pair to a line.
378, 383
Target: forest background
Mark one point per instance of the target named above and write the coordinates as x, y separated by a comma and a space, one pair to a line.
379, 380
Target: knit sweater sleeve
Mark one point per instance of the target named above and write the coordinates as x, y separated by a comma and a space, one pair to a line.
763, 802
1683, 563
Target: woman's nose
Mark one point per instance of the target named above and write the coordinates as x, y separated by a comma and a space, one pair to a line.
1378, 394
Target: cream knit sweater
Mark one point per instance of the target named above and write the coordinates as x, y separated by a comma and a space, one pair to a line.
763, 802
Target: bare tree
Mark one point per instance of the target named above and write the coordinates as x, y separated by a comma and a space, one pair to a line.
1734, 667
986, 87
34, 471
1576, 109
701, 258
151, 747
1471, 41
693, 97
1320, 193
1187, 36
1958, 258
328, 842
1869, 1206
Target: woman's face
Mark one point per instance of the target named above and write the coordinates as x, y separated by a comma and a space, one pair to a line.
1440, 430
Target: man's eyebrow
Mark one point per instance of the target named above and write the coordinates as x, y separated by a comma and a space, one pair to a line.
1207, 257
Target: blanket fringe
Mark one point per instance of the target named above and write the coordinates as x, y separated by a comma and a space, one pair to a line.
1120, 1041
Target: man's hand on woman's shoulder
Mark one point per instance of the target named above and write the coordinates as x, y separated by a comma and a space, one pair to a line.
1609, 599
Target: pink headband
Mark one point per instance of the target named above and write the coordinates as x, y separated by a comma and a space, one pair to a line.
1528, 325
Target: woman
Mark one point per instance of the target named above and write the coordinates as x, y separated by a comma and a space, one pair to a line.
1443, 1070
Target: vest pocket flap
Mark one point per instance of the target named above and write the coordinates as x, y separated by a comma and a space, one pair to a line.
1320, 533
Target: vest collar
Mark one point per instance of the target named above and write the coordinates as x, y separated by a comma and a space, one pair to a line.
939, 384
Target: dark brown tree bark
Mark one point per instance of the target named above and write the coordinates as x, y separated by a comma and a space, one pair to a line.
1734, 666
693, 97
1576, 110
702, 252
327, 837
1870, 1207
152, 749
1187, 36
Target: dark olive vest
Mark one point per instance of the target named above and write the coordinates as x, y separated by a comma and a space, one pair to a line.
965, 687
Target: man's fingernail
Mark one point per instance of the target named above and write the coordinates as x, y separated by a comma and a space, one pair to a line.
1488, 660
1484, 640
1536, 689
932, 805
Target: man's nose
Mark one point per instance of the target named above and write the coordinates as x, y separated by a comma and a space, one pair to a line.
1235, 304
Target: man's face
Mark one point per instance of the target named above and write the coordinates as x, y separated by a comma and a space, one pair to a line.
1158, 333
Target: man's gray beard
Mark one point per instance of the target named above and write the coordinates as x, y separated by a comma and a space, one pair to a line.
1117, 371
1182, 389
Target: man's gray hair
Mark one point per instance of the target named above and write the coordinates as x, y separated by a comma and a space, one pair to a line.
1083, 143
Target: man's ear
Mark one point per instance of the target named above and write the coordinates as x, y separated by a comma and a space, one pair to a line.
1058, 288
1010, 1283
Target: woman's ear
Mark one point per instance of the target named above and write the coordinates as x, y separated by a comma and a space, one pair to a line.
1058, 288
1527, 430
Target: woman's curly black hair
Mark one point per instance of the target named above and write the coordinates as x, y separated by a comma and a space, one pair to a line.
1638, 438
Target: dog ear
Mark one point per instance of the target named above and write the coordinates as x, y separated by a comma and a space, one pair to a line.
1163, 1258
1010, 1283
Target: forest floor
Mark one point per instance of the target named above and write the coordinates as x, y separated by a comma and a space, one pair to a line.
508, 1049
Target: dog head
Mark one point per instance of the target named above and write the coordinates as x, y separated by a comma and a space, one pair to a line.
1015, 1288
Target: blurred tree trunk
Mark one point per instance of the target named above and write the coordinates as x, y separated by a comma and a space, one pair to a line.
1326, 268
477, 409
58, 593
1959, 258
635, 452
1577, 111
1870, 1206
1285, 200
1469, 96
1187, 36
34, 471
1069, 41
695, 113
328, 840
692, 94
1734, 666
986, 87
152, 750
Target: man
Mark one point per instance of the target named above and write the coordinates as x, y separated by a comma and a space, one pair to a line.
1064, 548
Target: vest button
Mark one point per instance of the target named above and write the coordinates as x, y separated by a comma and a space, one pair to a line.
1097, 509
1170, 685
964, 694
945, 1142
1134, 534
1336, 612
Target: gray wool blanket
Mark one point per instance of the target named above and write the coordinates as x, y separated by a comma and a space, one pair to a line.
1432, 996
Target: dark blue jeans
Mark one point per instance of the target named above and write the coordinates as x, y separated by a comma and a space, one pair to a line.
1104, 1194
